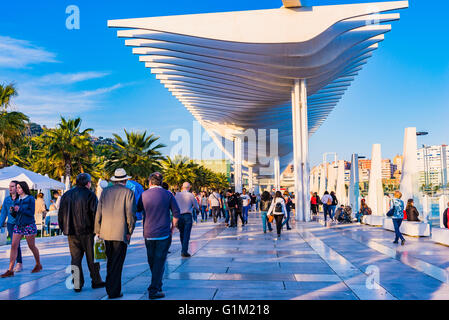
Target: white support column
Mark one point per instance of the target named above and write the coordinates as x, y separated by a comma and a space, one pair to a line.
341, 190
300, 149
238, 164
409, 177
354, 184
250, 179
375, 193
305, 151
277, 174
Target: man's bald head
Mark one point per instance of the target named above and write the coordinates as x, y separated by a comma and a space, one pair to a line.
186, 186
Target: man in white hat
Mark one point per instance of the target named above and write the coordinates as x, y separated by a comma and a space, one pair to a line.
114, 222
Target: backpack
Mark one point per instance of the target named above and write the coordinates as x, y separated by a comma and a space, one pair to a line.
278, 207
329, 202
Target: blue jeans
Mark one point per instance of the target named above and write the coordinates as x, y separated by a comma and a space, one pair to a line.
245, 213
326, 210
194, 215
332, 211
10, 228
157, 255
226, 215
265, 222
397, 224
185, 227
287, 219
203, 213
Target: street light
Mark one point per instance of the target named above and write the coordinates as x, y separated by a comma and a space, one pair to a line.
422, 133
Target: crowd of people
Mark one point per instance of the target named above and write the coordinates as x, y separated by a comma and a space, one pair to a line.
86, 219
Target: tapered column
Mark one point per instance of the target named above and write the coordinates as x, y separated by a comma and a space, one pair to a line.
341, 190
300, 149
409, 176
277, 174
375, 193
238, 164
354, 184
250, 179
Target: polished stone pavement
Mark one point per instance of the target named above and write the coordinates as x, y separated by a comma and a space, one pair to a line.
309, 262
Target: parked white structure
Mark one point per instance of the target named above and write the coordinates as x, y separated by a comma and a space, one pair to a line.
409, 178
283, 68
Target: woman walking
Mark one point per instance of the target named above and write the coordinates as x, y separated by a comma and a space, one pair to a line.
23, 210
265, 203
278, 209
398, 216
314, 203
333, 206
203, 206
288, 206
412, 212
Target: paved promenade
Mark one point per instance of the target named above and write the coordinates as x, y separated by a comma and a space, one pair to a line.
308, 262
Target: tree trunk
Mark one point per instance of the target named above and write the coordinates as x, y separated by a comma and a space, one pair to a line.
68, 167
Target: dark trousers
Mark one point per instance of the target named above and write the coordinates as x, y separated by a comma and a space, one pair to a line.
115, 253
80, 245
215, 212
238, 213
278, 218
185, 228
397, 224
326, 210
157, 255
232, 217
10, 228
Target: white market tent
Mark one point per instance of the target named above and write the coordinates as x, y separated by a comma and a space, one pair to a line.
35, 181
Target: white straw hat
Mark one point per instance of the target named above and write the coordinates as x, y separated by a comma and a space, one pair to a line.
120, 175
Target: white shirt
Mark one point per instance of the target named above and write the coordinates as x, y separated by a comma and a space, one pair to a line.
326, 198
246, 200
214, 199
273, 205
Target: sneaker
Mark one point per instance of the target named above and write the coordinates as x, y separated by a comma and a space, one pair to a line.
78, 290
18, 267
37, 268
186, 255
402, 242
395, 242
157, 295
99, 285
8, 274
289, 228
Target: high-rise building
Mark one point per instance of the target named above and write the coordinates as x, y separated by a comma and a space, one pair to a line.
433, 165
387, 169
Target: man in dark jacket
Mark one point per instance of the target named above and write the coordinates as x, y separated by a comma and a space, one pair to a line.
76, 217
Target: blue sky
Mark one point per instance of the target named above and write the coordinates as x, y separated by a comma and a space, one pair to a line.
90, 73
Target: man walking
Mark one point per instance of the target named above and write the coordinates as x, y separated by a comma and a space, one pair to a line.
246, 203
76, 218
114, 223
6, 213
215, 204
187, 203
156, 204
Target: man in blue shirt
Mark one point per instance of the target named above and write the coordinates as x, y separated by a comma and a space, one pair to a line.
156, 204
5, 213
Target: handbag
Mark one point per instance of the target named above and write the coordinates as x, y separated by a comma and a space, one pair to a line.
270, 218
99, 250
390, 212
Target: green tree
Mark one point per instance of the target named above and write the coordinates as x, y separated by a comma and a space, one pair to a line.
12, 125
178, 170
64, 150
139, 155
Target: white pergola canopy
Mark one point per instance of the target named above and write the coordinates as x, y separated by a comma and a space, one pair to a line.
235, 71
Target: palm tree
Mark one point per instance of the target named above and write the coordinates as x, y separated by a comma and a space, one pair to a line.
12, 124
12, 129
178, 170
7, 92
138, 155
65, 150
